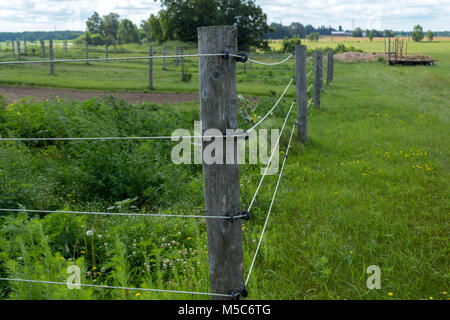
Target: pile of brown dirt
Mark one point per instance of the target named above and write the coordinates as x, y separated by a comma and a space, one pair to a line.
352, 56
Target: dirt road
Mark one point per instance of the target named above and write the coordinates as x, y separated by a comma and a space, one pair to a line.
16, 93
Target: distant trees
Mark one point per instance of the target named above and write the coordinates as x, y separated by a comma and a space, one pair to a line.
279, 31
430, 35
127, 32
417, 34
314, 36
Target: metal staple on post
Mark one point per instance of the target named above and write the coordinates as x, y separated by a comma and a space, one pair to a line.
218, 110
150, 68
302, 95
317, 77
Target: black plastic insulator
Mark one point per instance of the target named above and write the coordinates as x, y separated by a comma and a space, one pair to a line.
247, 215
226, 54
243, 57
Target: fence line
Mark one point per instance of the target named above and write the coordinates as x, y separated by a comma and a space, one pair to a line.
116, 287
129, 214
318, 87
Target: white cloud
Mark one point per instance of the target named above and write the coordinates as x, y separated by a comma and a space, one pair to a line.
29, 15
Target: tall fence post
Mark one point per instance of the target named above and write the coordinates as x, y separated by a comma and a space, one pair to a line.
218, 110
18, 49
318, 62
182, 63
302, 95
43, 48
106, 51
50, 48
164, 56
87, 53
150, 67
329, 66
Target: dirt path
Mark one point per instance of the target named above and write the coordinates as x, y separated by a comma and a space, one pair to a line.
16, 93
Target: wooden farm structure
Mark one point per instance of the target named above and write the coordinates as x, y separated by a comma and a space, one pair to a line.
396, 52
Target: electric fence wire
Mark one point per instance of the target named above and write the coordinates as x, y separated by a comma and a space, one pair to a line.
173, 138
270, 208
270, 159
116, 287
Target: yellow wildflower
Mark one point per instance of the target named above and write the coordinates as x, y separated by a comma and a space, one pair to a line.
138, 294
390, 294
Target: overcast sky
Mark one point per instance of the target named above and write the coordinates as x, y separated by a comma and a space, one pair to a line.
48, 15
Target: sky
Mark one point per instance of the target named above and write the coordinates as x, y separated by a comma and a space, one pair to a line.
401, 15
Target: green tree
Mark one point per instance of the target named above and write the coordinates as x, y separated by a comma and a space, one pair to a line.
357, 32
179, 19
430, 35
417, 34
110, 25
128, 32
156, 31
146, 29
94, 24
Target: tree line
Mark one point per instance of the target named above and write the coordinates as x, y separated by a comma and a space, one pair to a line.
179, 20
37, 35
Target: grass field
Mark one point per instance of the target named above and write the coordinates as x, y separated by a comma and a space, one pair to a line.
371, 187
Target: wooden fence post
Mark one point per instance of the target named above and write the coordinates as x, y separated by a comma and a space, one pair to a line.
164, 56
50, 48
218, 110
302, 95
329, 66
106, 51
150, 68
43, 48
182, 63
18, 49
318, 62
87, 53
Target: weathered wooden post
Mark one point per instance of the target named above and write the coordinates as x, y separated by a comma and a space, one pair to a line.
50, 48
87, 53
317, 77
329, 66
182, 63
106, 51
43, 48
150, 68
218, 110
302, 95
332, 65
164, 56
18, 49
